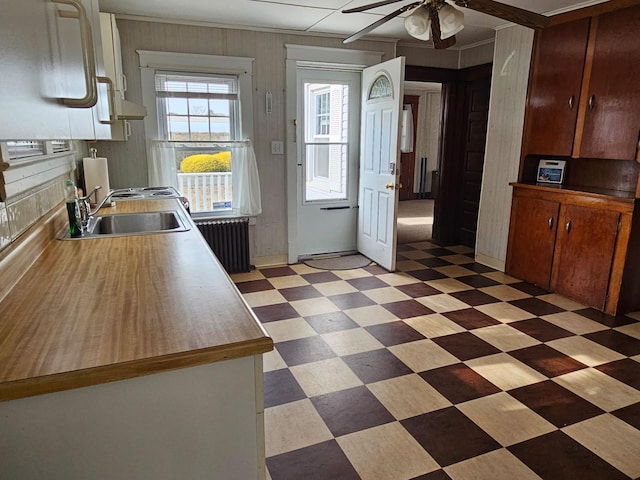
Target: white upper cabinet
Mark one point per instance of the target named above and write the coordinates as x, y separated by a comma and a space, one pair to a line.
50, 59
121, 110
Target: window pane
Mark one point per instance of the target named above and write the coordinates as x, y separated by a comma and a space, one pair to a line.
177, 106
326, 172
326, 113
220, 128
219, 107
198, 106
178, 128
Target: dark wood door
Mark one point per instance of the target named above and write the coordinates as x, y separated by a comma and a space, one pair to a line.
612, 113
584, 254
408, 160
554, 88
532, 239
477, 94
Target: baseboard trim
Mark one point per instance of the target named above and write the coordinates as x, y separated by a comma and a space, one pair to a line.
491, 262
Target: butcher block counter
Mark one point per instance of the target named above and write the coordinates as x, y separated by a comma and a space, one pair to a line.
113, 348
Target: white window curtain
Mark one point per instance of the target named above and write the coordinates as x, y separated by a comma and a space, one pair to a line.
163, 171
247, 200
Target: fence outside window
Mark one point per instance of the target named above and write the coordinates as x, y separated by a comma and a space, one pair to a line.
209, 191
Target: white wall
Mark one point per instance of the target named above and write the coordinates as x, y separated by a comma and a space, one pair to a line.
504, 139
476, 55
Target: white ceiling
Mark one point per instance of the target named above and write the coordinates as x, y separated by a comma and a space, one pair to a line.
319, 16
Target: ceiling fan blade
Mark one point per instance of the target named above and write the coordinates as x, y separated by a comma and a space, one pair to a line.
506, 12
438, 42
383, 20
370, 6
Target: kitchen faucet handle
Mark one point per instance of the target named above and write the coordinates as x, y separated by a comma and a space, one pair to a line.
84, 203
87, 197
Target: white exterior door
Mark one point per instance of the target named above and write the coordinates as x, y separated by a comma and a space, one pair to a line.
382, 94
327, 161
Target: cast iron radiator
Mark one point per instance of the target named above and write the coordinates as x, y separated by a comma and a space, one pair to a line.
229, 240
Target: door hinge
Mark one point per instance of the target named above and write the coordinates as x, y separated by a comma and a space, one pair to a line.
619, 226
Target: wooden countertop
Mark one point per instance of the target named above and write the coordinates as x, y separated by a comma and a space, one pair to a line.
611, 195
623, 202
104, 309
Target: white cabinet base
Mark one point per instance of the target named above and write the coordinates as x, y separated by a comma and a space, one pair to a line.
195, 423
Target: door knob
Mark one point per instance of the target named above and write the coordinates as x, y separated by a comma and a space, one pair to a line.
389, 186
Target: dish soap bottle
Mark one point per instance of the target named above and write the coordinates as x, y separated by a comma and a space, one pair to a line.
73, 210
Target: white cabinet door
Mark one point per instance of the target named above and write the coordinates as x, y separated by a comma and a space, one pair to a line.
42, 60
86, 123
30, 79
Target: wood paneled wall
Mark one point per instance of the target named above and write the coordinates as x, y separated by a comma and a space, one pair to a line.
504, 139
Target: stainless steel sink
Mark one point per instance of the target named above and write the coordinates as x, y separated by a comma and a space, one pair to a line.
123, 224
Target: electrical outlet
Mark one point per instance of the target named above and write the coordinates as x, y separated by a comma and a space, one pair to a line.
277, 148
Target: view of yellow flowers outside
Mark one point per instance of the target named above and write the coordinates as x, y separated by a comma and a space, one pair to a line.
205, 179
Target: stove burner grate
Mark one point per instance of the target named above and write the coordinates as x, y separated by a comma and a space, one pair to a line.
126, 195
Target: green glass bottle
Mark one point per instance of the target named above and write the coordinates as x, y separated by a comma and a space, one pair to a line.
73, 211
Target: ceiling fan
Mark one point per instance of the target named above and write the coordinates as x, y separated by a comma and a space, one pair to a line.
444, 20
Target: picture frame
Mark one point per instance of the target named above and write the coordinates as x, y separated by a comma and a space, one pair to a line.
551, 171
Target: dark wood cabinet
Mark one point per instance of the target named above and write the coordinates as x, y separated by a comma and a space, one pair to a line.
554, 88
582, 239
584, 94
532, 241
611, 95
585, 245
579, 244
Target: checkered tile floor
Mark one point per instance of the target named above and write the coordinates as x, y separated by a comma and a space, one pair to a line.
445, 369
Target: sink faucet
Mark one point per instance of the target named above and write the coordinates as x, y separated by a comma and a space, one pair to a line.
85, 206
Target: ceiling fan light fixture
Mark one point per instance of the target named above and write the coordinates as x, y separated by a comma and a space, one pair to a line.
451, 21
418, 24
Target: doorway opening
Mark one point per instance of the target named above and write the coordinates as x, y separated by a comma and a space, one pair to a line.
419, 163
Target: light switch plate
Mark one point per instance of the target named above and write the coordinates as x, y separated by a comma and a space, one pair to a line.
277, 148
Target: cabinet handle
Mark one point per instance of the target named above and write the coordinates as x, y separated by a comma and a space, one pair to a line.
568, 226
592, 102
572, 99
550, 223
127, 129
112, 100
88, 57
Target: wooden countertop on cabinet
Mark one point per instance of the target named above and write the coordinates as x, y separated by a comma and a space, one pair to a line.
98, 310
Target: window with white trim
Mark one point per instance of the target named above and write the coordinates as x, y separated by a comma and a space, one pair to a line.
203, 113
198, 107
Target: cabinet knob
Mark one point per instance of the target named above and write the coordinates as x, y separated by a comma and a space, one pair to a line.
572, 100
592, 102
550, 223
568, 226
